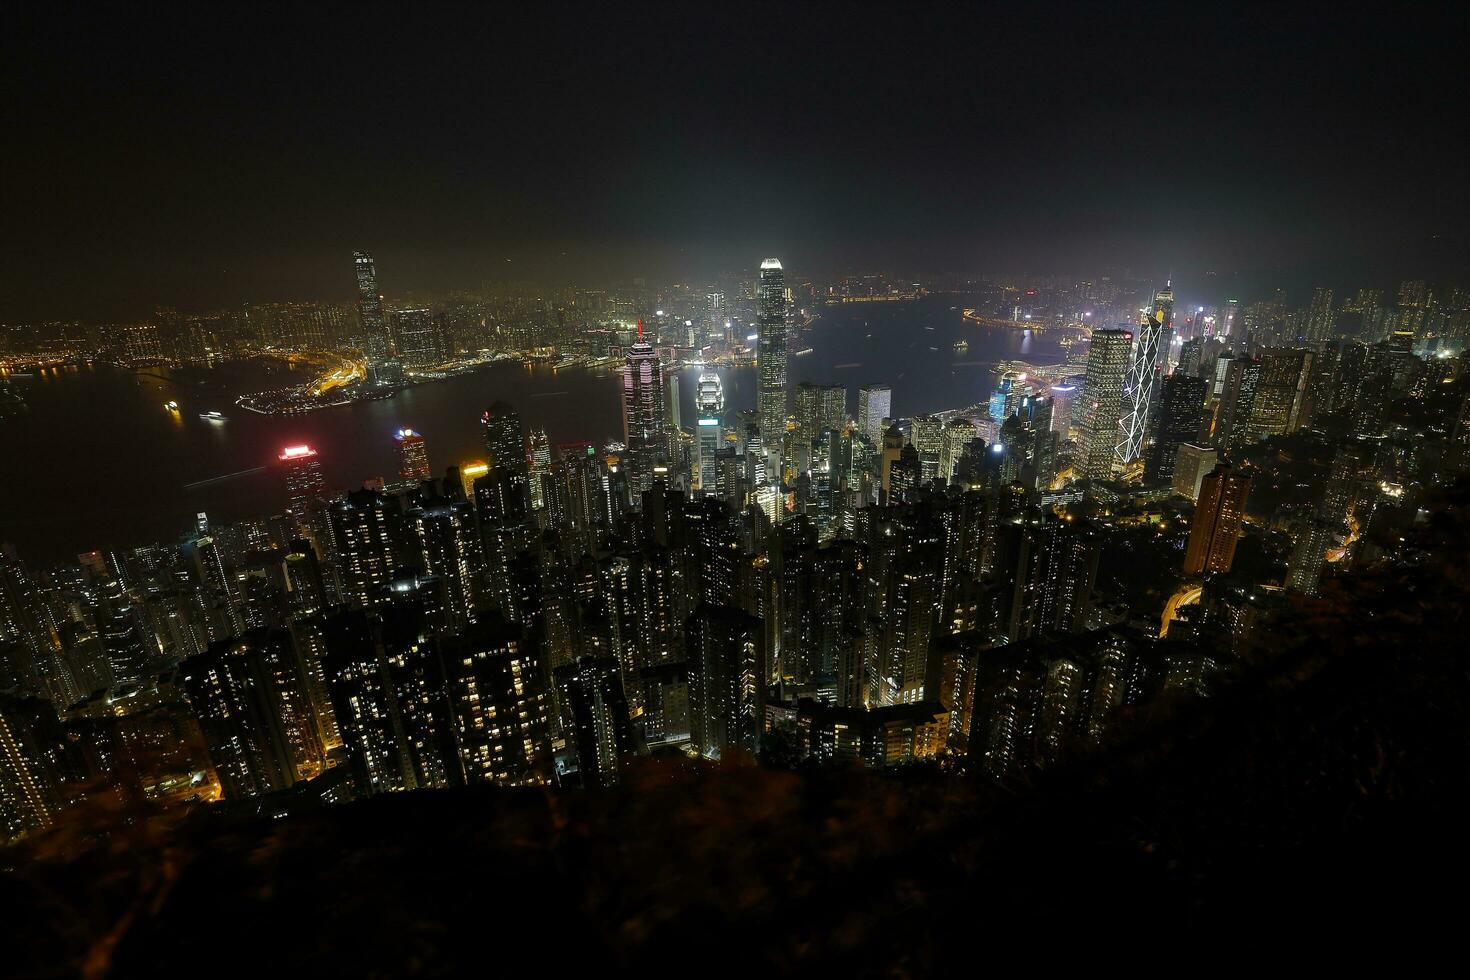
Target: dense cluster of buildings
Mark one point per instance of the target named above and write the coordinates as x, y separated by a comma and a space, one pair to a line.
851, 586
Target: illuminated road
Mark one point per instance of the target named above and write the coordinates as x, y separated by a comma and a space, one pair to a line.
1187, 595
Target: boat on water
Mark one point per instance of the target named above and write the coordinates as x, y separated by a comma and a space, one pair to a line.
171, 406
961, 346
803, 352
212, 417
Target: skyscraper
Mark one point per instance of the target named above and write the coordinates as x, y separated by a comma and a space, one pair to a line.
370, 309
1102, 394
875, 403
1218, 515
772, 351
306, 487
413, 457
1192, 464
819, 408
1153, 330
1181, 416
644, 407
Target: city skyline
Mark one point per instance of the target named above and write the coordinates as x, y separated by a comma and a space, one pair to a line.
777, 490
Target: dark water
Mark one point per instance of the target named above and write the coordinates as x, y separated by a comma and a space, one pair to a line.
98, 462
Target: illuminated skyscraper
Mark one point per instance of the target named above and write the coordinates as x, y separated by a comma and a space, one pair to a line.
1102, 395
1218, 515
540, 467
819, 408
413, 457
370, 309
1153, 333
1063, 405
770, 399
644, 408
709, 440
306, 487
875, 403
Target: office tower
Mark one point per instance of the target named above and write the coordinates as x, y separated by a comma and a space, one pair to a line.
727, 668
418, 337
875, 405
413, 457
540, 467
500, 705
306, 487
1063, 408
958, 433
1281, 393
1191, 465
365, 535
1319, 316
709, 440
644, 419
1181, 416
926, 433
505, 443
819, 408
1153, 334
371, 325
1237, 399
772, 353
1102, 396
123, 639
249, 696
1218, 515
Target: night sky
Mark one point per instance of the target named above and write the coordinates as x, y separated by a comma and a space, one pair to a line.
198, 159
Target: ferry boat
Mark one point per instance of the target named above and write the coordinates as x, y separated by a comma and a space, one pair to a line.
961, 346
171, 406
803, 352
212, 417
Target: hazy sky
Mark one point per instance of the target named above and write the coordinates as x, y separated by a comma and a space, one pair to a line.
197, 159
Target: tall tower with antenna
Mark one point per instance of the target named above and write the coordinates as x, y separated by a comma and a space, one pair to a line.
1139, 390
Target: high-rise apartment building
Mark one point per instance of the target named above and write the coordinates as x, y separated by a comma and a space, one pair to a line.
1218, 515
